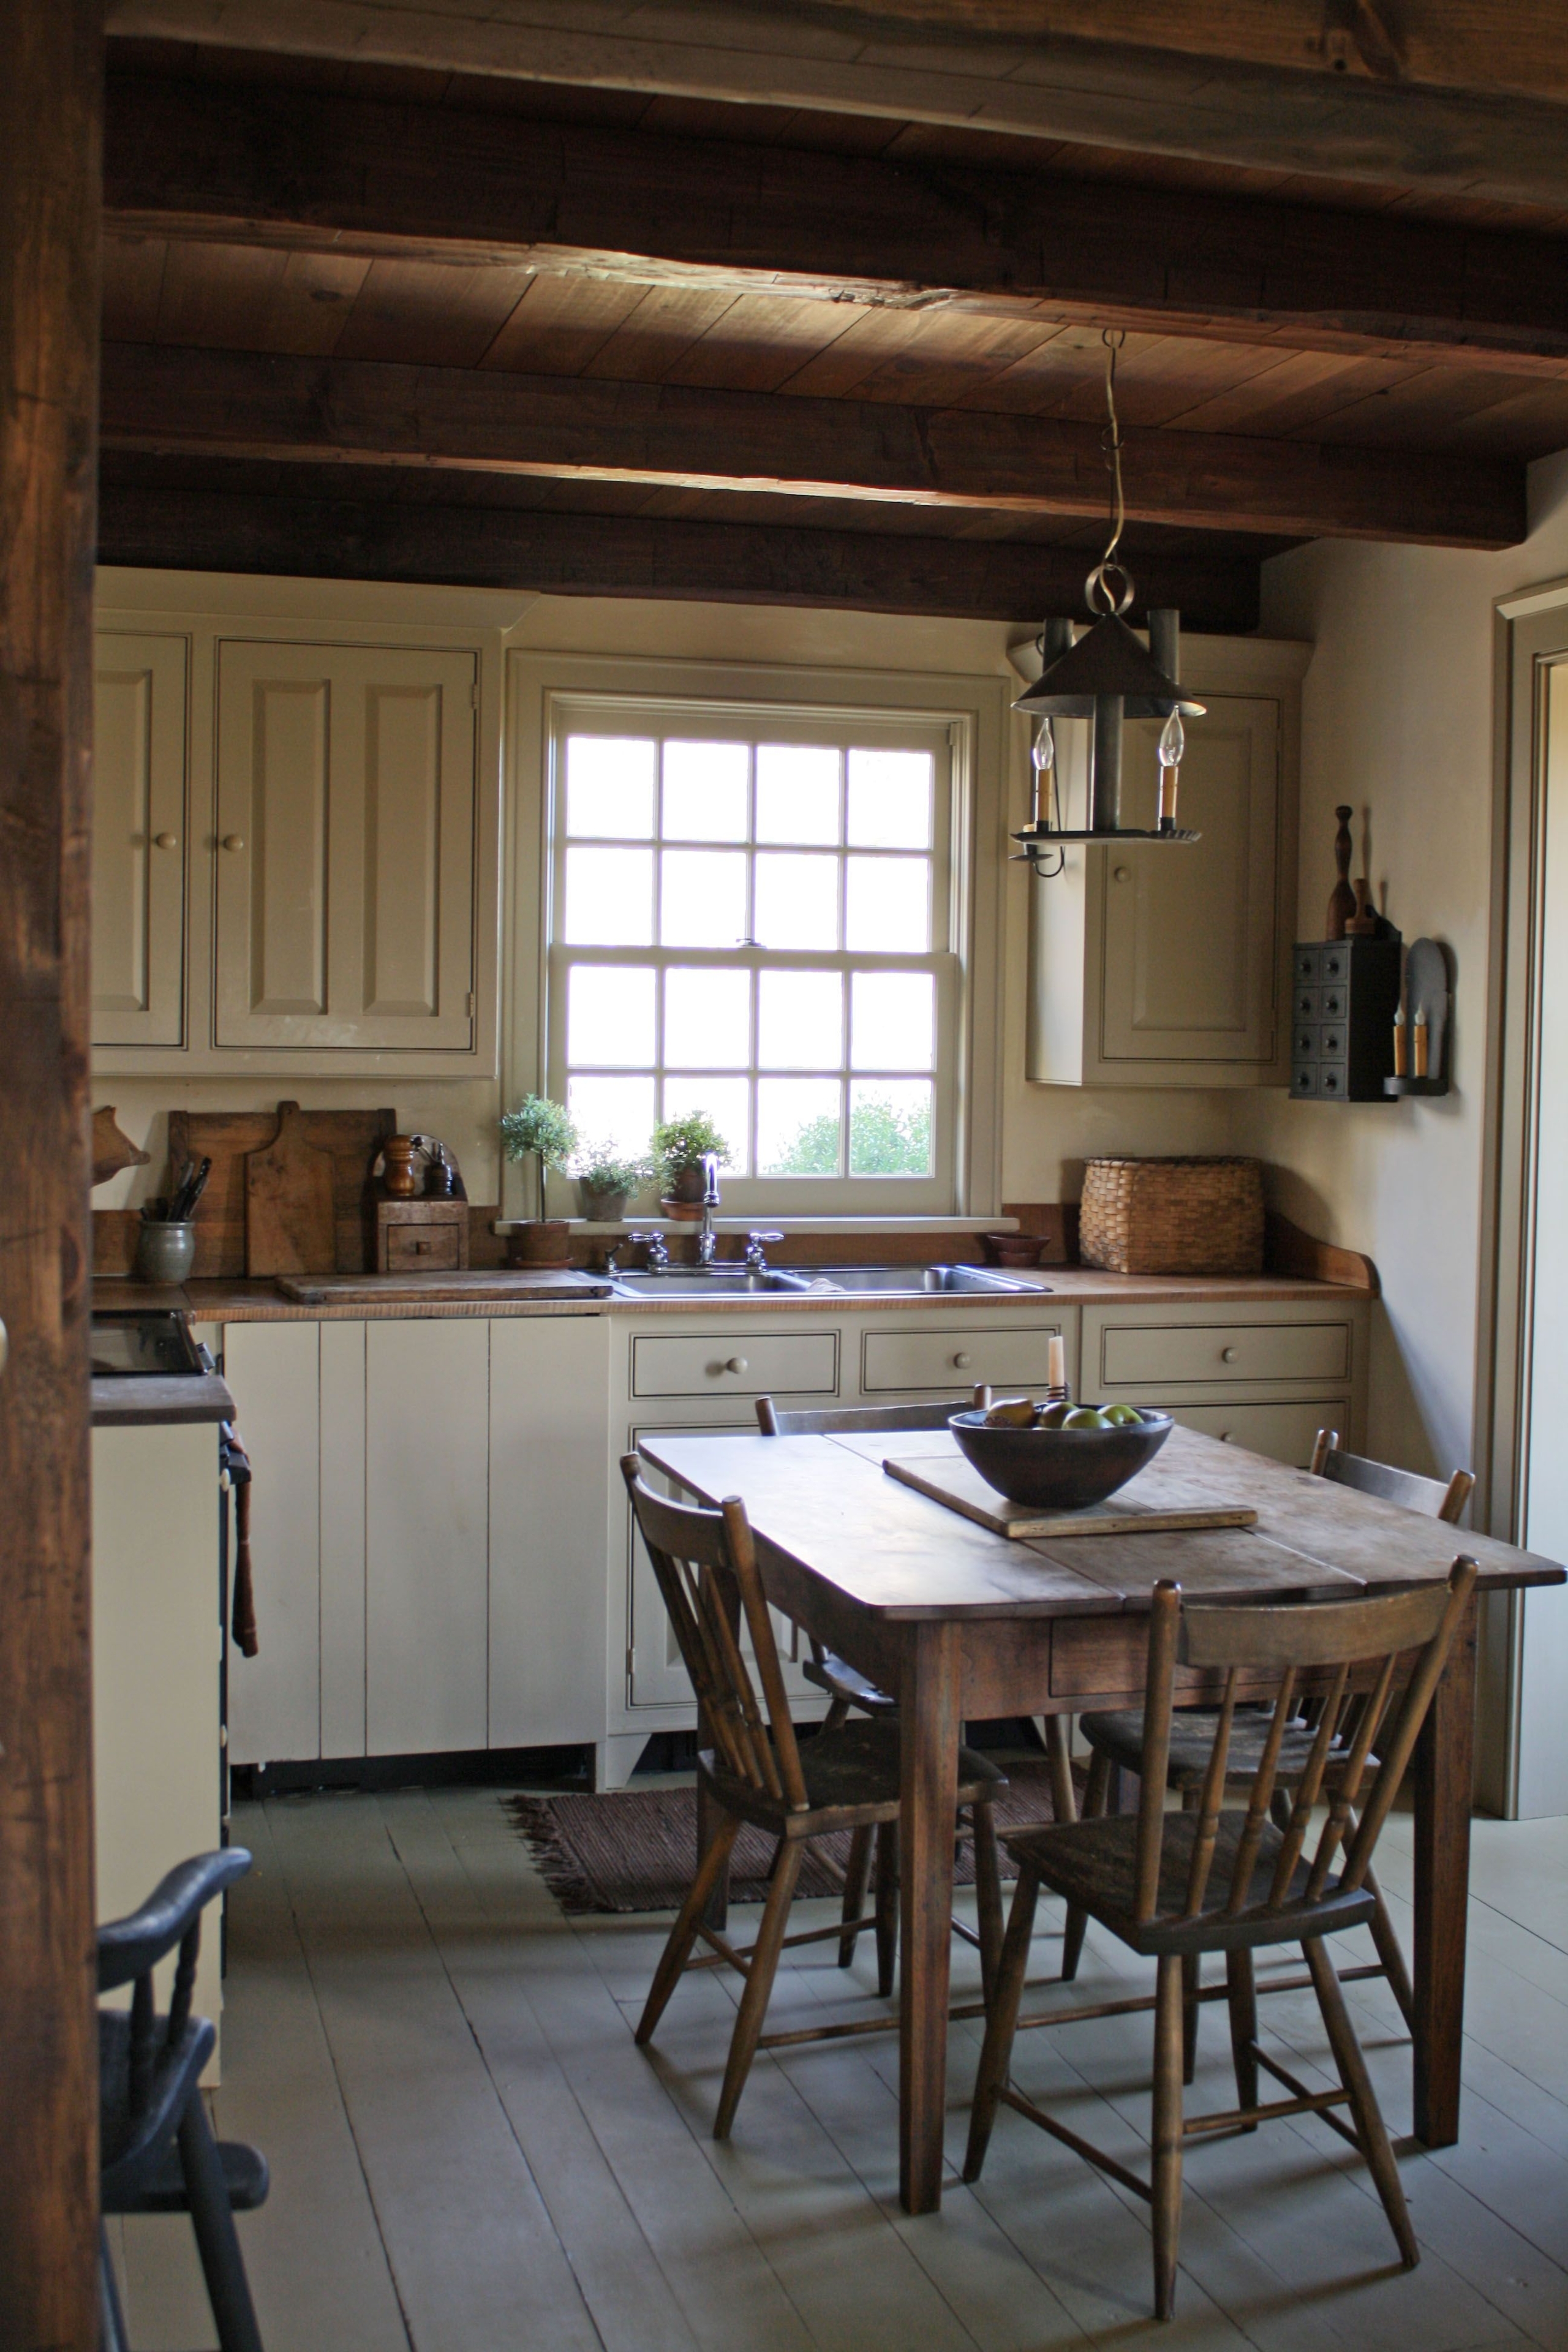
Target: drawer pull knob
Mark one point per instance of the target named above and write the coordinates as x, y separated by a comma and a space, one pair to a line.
1224, 1437
735, 1364
233, 841
1124, 873
1227, 1355
961, 1362
168, 840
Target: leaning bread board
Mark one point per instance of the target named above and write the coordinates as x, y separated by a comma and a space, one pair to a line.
1157, 1501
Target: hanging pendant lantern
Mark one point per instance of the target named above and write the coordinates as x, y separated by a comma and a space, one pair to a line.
1109, 675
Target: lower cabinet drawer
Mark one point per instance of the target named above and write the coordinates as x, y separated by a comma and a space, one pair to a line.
736, 1363
1133, 1354
955, 1359
1285, 1432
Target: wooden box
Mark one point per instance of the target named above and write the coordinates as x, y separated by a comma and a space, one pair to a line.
1346, 993
421, 1236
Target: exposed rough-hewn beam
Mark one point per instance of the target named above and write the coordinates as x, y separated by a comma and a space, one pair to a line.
598, 555
196, 402
1221, 108
311, 169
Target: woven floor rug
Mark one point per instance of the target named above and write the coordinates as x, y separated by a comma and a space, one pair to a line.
633, 1850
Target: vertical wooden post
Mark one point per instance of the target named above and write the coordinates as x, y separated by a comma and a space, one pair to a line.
1442, 1768
50, 132
931, 1723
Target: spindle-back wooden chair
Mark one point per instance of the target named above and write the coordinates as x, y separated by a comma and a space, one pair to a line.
1116, 1740
756, 1771
1173, 1886
850, 1689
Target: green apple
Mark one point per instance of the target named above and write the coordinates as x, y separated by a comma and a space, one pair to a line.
1051, 1416
1085, 1416
1123, 1416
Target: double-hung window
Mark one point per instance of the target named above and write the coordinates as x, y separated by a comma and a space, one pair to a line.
751, 915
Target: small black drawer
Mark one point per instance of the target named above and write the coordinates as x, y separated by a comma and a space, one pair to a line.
1334, 962
1309, 964
1334, 1002
1334, 1043
1304, 1045
1334, 1079
1304, 1078
1307, 1006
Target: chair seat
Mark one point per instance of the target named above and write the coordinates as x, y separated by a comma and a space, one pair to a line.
132, 2141
854, 1771
1120, 1737
1093, 1863
841, 1680
244, 2173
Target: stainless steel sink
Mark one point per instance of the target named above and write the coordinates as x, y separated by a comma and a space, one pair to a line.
931, 1279
689, 1284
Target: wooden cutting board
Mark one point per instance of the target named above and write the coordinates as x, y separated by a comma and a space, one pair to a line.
351, 1138
1154, 1503
498, 1285
290, 1225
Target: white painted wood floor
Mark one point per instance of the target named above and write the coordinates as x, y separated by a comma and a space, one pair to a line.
469, 2154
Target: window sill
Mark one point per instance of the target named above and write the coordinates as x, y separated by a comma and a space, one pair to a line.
862, 1226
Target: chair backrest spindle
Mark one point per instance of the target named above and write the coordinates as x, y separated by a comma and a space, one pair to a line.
1165, 1611
706, 1565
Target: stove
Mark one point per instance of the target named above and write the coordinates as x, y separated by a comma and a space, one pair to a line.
143, 1344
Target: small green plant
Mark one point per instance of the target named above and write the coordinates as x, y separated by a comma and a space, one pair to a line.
605, 1170
540, 1130
684, 1144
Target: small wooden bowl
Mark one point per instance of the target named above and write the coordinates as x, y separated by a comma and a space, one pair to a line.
1011, 1249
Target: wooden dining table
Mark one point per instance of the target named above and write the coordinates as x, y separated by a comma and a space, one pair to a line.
963, 1624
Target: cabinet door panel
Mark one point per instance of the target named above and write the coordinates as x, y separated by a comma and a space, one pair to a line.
1190, 933
274, 1698
952, 1358
138, 841
1285, 1432
548, 1473
346, 822
426, 1473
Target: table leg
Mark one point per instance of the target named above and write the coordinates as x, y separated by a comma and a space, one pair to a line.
1443, 1768
930, 1702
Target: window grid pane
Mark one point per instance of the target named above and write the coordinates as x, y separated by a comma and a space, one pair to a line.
857, 886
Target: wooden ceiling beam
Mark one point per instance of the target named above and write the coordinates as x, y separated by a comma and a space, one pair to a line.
1331, 113
268, 163
168, 400
152, 525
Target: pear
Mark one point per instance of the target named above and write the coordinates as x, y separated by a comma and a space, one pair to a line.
1012, 1413
1085, 1416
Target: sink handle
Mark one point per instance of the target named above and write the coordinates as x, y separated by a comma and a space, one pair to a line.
757, 1252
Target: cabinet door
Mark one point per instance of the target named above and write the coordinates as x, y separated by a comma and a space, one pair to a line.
1191, 942
548, 1473
138, 841
274, 1698
346, 857
426, 1481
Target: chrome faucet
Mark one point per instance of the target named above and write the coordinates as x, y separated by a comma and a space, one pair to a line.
658, 1254
706, 1239
757, 1250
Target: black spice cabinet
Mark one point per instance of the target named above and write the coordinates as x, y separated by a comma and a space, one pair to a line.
1345, 995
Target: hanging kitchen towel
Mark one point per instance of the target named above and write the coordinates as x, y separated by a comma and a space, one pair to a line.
242, 1615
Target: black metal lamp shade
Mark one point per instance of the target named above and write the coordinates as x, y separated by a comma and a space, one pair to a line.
1108, 660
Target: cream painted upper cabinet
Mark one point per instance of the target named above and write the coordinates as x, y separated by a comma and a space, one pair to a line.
1168, 966
346, 847
138, 841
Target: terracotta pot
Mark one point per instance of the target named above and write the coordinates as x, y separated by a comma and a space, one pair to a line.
541, 1242
690, 1184
602, 1208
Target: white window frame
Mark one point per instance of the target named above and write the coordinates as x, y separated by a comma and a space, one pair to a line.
969, 714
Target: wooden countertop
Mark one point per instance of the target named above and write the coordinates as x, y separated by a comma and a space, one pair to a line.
158, 1401
560, 1294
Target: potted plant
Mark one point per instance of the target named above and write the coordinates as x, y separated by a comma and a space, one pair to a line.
606, 1177
540, 1130
679, 1147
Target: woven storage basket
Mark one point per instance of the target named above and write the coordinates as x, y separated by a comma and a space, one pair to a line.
1172, 1216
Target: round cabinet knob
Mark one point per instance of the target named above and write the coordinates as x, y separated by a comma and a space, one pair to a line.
1124, 873
736, 1364
233, 841
167, 840
1224, 1437
1227, 1355
961, 1363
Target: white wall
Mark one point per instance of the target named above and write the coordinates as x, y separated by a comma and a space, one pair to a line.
1044, 1129
1397, 720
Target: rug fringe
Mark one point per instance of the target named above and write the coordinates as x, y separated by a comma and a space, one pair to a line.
555, 1863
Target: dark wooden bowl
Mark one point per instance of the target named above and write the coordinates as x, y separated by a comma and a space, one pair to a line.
1059, 1469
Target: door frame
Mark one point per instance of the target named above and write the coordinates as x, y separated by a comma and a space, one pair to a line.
1530, 636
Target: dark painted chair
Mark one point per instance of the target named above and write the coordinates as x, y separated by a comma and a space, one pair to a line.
756, 1771
1173, 1885
158, 2154
1116, 1740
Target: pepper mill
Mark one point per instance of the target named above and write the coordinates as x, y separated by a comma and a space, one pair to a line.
1342, 897
398, 1179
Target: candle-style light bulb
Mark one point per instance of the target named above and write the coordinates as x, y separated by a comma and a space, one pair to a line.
1172, 743
1043, 756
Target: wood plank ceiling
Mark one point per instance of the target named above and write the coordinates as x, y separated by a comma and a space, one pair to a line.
410, 324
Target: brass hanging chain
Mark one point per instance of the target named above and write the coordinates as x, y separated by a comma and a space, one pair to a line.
1099, 593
